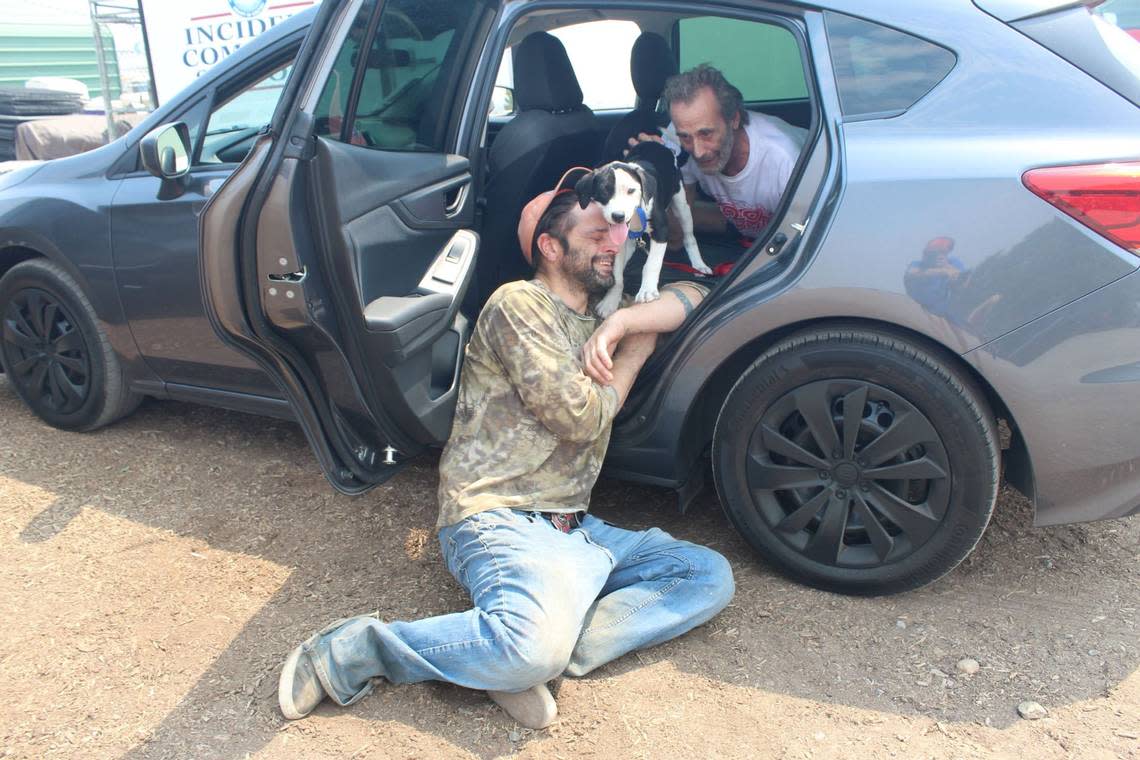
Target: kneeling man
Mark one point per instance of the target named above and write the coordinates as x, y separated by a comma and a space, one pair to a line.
555, 590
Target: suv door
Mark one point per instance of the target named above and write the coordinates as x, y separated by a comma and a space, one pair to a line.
338, 254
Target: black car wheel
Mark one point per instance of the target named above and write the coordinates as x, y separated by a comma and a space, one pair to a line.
53, 351
857, 461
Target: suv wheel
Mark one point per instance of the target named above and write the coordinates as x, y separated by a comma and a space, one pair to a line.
857, 461
54, 353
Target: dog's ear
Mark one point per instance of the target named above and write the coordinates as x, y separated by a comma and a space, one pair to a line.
648, 183
585, 189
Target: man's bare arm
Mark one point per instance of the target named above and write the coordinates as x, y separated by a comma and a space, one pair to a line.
677, 301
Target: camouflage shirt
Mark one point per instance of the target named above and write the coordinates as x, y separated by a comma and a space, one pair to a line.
531, 428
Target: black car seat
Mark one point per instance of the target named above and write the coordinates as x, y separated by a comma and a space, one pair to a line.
651, 62
552, 132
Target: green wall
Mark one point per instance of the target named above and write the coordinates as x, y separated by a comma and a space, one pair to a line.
36, 50
762, 60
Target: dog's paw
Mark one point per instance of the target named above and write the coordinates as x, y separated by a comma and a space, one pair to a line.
608, 305
645, 295
702, 267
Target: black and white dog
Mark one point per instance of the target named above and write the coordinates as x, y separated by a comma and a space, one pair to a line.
635, 196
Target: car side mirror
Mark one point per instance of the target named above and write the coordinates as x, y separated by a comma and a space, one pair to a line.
165, 151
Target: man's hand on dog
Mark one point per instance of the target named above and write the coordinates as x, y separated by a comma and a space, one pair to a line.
643, 137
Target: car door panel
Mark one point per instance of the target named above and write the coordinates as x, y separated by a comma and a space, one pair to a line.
159, 285
349, 261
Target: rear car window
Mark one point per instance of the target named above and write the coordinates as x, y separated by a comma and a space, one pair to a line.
880, 71
762, 60
1102, 42
604, 86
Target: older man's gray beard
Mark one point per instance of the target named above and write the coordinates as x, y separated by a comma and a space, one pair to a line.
724, 153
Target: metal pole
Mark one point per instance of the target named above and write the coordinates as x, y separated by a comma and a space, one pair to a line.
104, 79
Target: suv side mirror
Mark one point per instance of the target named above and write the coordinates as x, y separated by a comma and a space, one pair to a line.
165, 151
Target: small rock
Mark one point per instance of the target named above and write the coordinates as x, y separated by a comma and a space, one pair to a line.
515, 736
1031, 710
1094, 653
939, 673
900, 624
820, 736
968, 666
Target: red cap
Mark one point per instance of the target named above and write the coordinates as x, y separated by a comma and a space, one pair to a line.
533, 211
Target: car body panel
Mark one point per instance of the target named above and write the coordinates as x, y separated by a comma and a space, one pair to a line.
160, 288
1071, 379
61, 211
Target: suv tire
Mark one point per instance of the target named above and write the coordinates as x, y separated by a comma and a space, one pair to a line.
54, 353
857, 460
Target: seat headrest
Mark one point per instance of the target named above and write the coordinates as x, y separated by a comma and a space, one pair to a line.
544, 78
650, 64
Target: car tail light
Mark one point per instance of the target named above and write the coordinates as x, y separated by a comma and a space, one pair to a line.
1104, 197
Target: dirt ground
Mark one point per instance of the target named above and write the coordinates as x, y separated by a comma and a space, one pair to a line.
156, 573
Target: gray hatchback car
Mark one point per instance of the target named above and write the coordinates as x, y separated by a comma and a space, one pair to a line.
947, 293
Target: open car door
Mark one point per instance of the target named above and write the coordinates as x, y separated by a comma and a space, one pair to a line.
337, 255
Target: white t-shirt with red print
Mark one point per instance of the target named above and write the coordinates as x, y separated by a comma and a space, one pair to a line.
749, 198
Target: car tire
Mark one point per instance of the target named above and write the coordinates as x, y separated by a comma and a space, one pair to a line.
911, 477
55, 354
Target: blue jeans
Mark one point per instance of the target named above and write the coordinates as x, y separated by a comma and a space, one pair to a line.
546, 603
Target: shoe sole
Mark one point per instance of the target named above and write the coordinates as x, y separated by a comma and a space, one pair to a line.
285, 685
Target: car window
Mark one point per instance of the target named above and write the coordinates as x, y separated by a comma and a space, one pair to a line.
881, 71
403, 93
762, 60
604, 78
234, 122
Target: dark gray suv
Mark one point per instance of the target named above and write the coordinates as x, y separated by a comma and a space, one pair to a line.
311, 228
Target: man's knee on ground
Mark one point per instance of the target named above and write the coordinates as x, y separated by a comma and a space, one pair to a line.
532, 651
717, 576
711, 578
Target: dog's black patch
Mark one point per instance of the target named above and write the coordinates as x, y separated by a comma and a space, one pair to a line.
663, 182
595, 186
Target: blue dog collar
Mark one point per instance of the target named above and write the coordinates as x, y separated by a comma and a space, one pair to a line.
642, 222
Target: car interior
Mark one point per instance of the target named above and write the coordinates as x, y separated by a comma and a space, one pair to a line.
568, 110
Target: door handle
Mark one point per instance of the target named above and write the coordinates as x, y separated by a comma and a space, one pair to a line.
455, 199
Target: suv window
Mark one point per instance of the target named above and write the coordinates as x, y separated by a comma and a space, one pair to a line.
402, 77
605, 85
240, 117
881, 71
762, 60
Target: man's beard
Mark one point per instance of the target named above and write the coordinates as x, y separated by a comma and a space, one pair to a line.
724, 153
579, 267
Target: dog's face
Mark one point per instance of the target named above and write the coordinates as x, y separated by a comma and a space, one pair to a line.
618, 187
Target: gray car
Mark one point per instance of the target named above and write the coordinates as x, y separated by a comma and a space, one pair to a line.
946, 294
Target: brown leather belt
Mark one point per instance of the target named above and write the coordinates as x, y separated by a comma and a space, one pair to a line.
564, 521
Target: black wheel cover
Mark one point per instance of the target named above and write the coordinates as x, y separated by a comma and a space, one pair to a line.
847, 473
45, 352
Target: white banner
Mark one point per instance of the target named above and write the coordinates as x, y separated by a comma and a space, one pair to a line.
187, 37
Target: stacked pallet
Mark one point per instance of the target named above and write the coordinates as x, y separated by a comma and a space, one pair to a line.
20, 104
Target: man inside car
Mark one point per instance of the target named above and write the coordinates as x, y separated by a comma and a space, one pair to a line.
555, 590
740, 159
